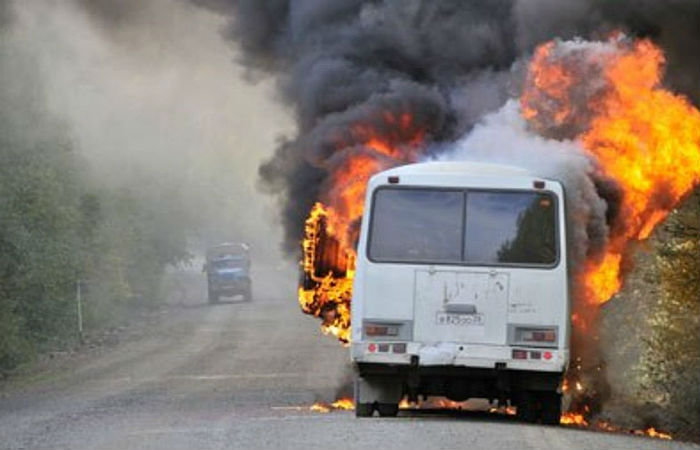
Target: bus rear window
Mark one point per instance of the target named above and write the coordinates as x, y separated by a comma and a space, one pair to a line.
416, 225
510, 227
471, 227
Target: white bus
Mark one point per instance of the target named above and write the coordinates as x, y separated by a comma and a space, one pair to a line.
461, 289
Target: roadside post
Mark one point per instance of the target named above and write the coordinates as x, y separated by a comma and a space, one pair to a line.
79, 306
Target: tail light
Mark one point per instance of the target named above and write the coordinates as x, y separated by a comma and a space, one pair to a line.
519, 354
399, 348
534, 336
387, 330
382, 330
539, 336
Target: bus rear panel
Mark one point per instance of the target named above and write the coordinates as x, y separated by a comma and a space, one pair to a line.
461, 289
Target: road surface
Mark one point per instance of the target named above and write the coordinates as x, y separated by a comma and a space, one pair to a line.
242, 375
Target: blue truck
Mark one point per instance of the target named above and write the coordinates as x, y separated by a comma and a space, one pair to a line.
228, 272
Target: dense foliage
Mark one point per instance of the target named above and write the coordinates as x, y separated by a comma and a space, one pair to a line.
59, 226
671, 362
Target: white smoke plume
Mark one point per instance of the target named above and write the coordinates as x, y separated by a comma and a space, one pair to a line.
503, 137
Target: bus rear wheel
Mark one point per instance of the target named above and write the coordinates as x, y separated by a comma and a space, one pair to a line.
388, 409
550, 413
526, 410
364, 409
248, 294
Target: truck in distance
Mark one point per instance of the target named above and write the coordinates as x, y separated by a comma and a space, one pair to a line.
461, 289
228, 271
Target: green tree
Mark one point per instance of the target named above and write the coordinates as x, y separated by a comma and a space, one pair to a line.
58, 227
671, 362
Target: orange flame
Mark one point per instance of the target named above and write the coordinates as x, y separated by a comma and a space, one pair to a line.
327, 294
331, 231
550, 79
568, 419
652, 432
342, 404
645, 139
406, 404
504, 410
579, 420
346, 404
574, 419
640, 135
320, 407
603, 278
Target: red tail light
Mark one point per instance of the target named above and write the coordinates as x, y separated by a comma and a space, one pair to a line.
519, 354
399, 348
381, 330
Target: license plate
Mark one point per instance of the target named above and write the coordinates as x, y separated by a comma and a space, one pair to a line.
460, 320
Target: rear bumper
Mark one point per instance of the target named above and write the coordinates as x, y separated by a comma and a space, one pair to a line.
461, 355
230, 286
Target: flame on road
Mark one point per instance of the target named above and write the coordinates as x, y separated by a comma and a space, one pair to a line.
578, 420
342, 404
567, 419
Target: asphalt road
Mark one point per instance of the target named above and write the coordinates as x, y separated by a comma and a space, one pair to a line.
242, 375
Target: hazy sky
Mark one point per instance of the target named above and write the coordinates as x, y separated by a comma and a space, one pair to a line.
151, 93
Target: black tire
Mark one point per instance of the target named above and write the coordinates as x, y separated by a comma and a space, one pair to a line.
364, 410
388, 409
248, 295
526, 410
551, 408
213, 297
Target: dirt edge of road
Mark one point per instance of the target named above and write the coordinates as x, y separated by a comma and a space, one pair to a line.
53, 365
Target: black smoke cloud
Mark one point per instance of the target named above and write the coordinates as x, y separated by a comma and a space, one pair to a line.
338, 60
345, 62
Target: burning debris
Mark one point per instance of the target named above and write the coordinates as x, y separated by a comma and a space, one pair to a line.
578, 420
570, 419
342, 404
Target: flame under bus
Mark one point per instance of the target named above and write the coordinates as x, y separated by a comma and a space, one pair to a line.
461, 289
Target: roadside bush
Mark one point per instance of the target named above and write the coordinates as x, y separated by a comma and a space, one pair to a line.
671, 362
57, 227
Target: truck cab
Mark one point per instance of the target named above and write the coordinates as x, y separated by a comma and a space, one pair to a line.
228, 271
461, 289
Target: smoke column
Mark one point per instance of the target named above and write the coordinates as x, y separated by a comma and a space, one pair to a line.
448, 63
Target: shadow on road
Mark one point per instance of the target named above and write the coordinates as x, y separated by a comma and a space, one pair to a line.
457, 414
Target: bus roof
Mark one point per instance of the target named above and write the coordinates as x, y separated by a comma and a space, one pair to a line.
463, 174
457, 167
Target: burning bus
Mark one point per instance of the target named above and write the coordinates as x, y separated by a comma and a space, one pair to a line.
461, 289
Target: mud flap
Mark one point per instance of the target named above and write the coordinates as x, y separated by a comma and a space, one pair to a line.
378, 389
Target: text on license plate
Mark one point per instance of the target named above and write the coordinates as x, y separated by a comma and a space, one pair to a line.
460, 320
